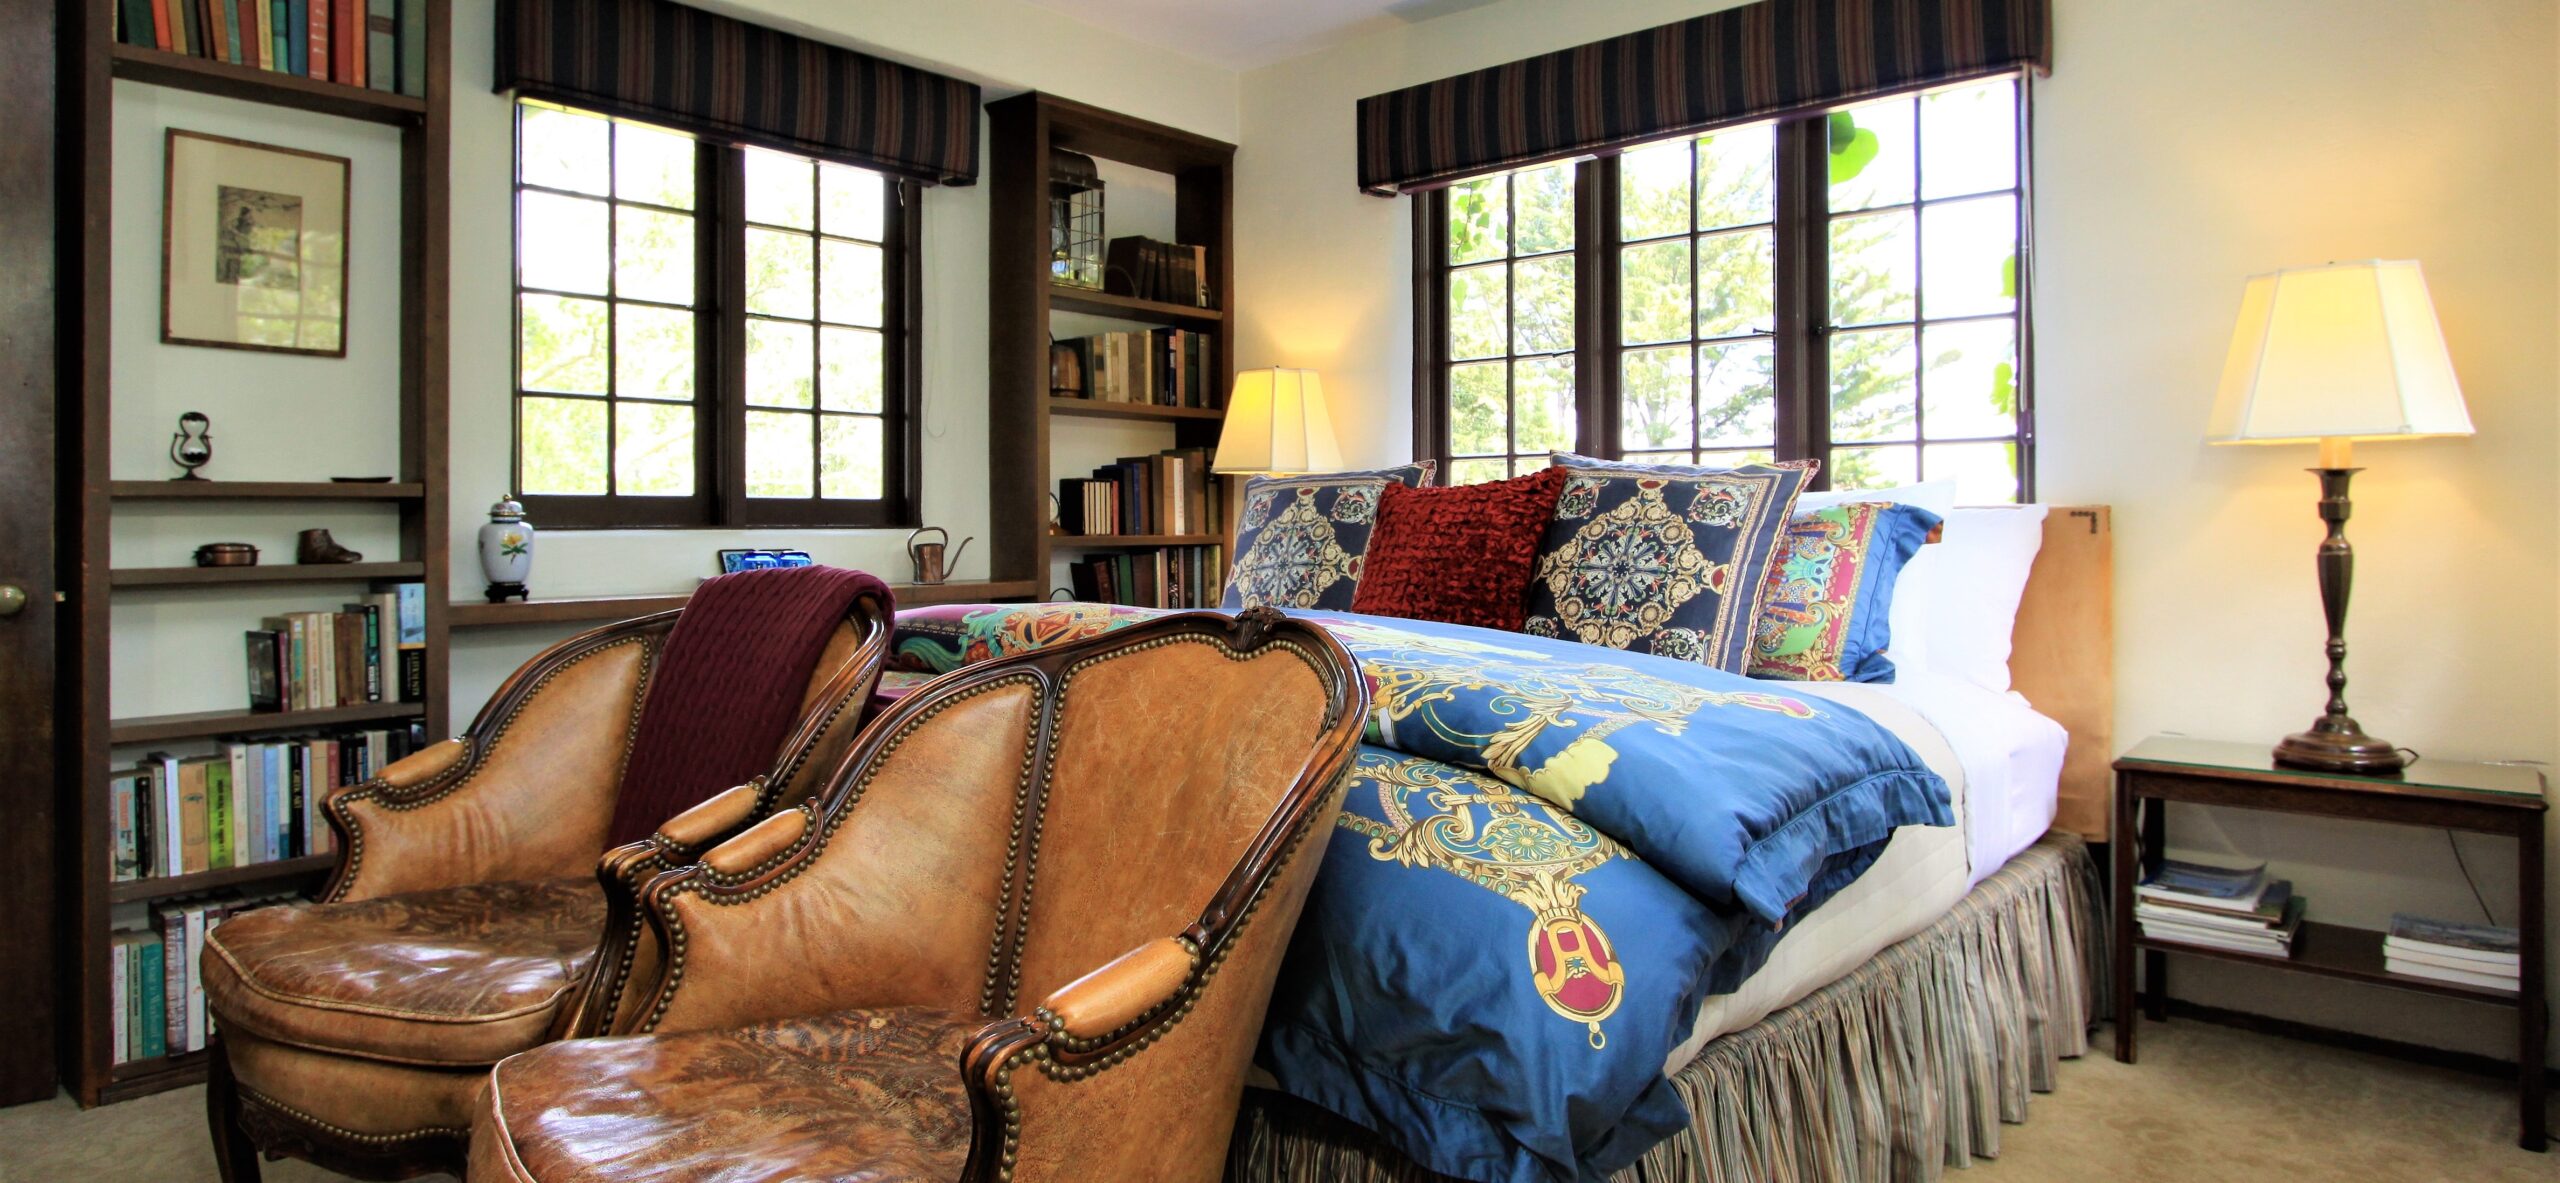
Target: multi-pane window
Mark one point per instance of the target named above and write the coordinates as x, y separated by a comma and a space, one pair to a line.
1923, 314
707, 335
1697, 299
1842, 285
1510, 322
815, 410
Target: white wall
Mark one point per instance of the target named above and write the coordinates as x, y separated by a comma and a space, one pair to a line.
275, 416
1003, 45
2179, 146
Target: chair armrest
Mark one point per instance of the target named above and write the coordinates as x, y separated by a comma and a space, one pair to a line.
1134, 985
629, 951
526, 793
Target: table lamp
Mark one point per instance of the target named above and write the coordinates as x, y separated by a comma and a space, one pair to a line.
2334, 354
1277, 422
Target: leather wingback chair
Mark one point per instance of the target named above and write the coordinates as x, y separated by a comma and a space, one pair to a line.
1027, 933
470, 915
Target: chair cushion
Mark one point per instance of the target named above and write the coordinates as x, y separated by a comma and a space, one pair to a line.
873, 1095
456, 976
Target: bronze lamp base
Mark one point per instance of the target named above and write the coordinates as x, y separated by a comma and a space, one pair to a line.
2328, 747
2336, 742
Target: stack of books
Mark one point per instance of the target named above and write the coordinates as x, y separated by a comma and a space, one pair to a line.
2480, 955
1156, 367
376, 44
256, 802
370, 651
1166, 577
1172, 492
151, 974
2236, 909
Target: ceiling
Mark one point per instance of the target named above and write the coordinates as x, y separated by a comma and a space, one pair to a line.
1243, 34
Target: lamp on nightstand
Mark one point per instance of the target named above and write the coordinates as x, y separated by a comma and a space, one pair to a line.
2334, 354
1277, 422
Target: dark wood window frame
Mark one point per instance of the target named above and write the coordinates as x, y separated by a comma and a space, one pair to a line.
1801, 375
719, 499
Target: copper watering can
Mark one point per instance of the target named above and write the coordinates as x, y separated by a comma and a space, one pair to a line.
932, 564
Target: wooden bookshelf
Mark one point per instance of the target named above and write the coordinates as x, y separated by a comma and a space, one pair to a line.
1023, 304
279, 573
597, 609
275, 88
1124, 541
265, 490
161, 887
1093, 303
1101, 410
141, 729
92, 63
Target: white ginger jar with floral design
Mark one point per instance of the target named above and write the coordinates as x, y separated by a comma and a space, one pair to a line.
506, 551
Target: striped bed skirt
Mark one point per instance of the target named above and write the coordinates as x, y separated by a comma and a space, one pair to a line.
1905, 1066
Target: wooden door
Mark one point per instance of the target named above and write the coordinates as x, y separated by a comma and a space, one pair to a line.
29, 369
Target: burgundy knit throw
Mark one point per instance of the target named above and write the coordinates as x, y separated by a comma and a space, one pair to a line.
728, 688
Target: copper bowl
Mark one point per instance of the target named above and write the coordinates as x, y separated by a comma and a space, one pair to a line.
226, 554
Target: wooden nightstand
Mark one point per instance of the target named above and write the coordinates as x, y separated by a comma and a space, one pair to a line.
2481, 798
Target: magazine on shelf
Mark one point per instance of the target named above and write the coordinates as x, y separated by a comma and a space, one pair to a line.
2425, 956
2270, 940
2203, 885
2269, 912
2474, 942
2420, 969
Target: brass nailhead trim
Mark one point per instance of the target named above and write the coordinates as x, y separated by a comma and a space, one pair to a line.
455, 777
337, 1131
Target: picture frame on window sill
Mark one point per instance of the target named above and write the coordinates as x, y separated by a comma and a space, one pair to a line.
253, 246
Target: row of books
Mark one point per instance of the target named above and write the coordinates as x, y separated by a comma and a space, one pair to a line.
2483, 955
254, 802
151, 971
1171, 492
1166, 577
2238, 909
374, 650
1154, 367
376, 44
1153, 269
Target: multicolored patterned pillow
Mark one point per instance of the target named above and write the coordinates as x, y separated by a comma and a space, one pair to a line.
1302, 540
1661, 559
1826, 608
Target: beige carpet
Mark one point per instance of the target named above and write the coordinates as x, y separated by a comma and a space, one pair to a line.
2206, 1103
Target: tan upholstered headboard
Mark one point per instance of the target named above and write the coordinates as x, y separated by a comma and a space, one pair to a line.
2063, 657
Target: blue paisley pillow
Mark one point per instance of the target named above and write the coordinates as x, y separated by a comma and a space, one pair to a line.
1662, 559
1303, 539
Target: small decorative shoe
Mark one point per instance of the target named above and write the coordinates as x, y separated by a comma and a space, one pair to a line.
318, 547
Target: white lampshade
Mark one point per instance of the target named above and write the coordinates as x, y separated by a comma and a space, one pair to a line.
2339, 352
1277, 422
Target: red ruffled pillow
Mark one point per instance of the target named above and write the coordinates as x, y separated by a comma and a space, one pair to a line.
1459, 555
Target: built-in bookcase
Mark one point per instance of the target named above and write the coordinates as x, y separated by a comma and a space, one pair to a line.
1025, 307
410, 511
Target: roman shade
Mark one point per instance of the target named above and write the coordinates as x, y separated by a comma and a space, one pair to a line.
1740, 64
723, 78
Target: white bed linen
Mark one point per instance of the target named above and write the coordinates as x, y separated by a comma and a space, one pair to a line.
2003, 765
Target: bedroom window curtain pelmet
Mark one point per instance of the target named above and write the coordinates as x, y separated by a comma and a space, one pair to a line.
1741, 64
739, 83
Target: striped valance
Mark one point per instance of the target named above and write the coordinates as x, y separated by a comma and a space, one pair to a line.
1732, 66
715, 76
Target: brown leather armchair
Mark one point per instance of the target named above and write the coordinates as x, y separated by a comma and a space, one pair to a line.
1027, 933
470, 916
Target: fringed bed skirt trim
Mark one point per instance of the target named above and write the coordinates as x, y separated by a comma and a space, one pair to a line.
1909, 1063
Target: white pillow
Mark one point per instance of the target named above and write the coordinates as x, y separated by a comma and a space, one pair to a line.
1915, 589
1980, 574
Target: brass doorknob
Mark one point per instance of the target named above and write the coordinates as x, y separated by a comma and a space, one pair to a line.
13, 599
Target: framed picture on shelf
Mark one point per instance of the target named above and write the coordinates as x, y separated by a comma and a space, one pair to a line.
253, 247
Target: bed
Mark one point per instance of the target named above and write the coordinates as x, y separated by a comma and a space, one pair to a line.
1873, 1007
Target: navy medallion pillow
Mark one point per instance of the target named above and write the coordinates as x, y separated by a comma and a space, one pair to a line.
1662, 559
1302, 539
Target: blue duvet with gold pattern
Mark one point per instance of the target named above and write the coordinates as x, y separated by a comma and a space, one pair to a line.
1549, 855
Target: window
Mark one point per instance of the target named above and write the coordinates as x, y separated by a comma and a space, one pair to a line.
708, 335
1844, 285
